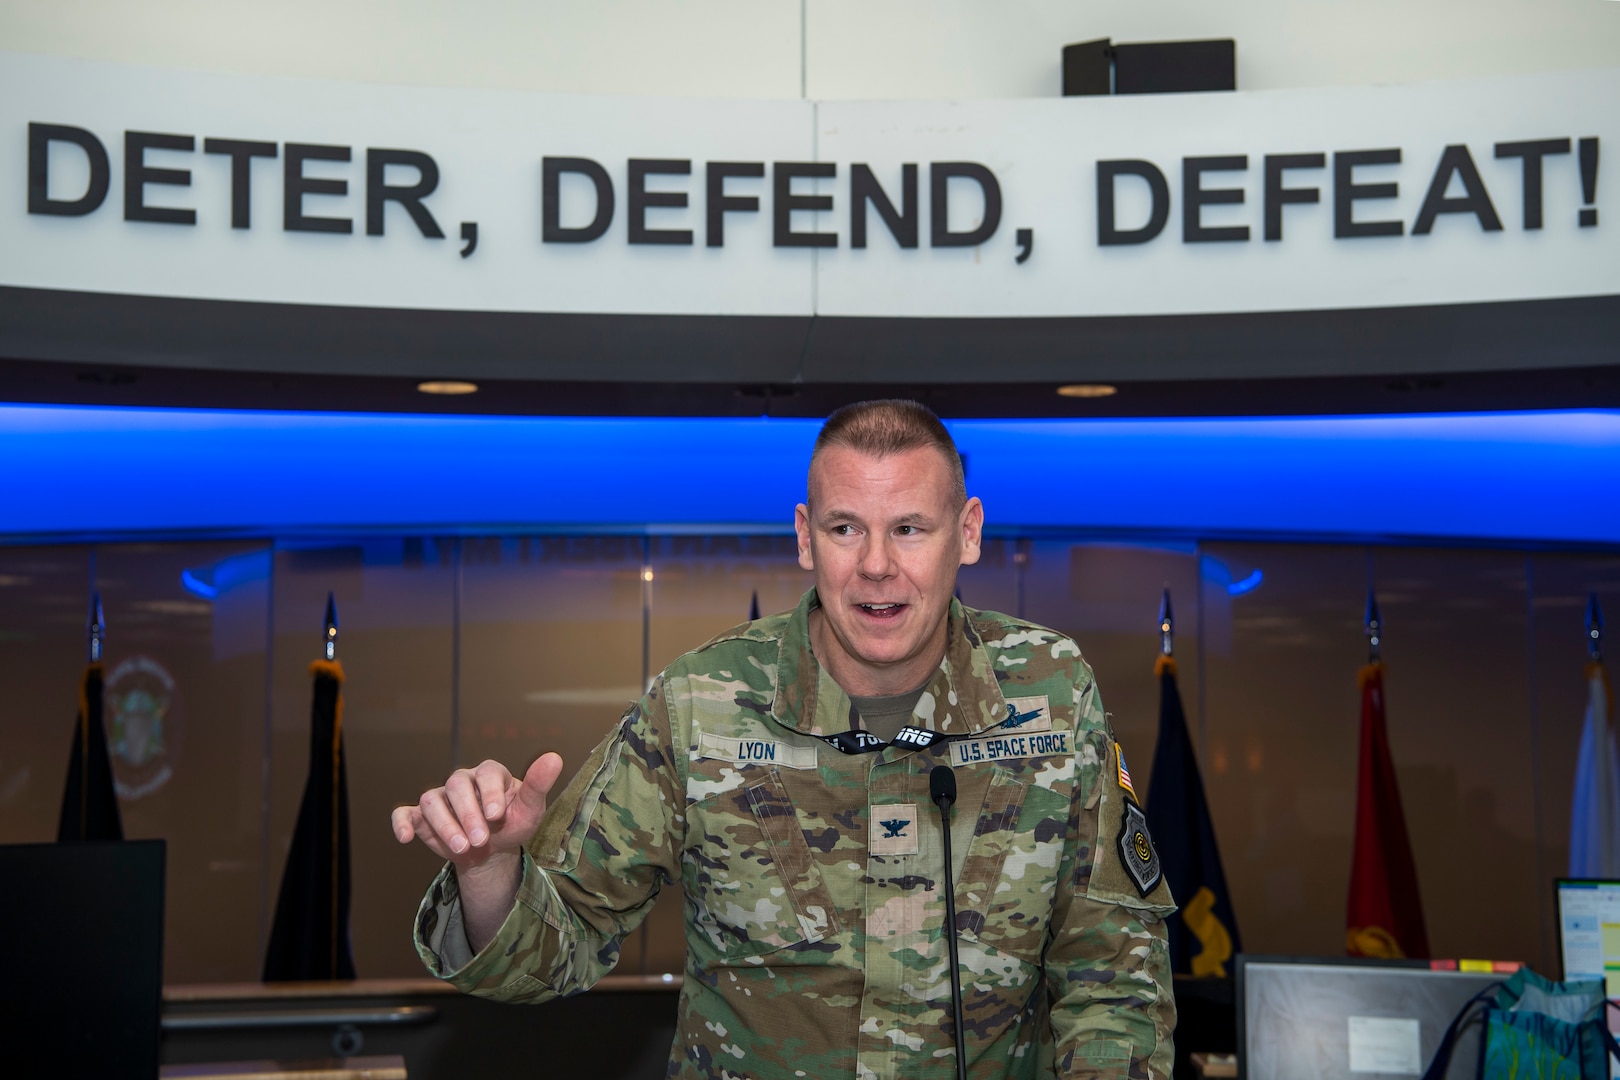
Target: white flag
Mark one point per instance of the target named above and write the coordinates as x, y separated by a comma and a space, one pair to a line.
1594, 825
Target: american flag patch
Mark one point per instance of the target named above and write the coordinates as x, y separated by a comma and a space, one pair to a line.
1124, 773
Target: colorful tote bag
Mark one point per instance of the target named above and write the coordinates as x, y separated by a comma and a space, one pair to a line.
1535, 1029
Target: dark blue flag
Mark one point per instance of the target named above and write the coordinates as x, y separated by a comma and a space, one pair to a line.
1204, 933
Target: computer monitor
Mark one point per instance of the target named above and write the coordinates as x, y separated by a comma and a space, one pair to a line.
1589, 930
1318, 1018
83, 988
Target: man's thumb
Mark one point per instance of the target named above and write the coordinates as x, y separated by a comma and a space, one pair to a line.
538, 782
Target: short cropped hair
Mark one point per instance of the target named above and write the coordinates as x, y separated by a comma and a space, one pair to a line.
891, 426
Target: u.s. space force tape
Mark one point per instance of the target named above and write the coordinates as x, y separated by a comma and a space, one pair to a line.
1004, 747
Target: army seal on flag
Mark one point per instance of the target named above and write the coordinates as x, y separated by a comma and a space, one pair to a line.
1136, 850
143, 726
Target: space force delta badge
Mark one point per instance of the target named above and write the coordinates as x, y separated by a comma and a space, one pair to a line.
1136, 850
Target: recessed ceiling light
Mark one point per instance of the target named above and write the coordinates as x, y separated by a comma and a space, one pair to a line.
447, 386
1087, 390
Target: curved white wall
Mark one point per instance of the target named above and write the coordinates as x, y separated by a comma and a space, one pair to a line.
824, 49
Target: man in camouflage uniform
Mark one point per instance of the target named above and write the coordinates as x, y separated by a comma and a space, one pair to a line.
781, 774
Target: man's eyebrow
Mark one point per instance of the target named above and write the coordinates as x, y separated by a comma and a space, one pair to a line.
834, 518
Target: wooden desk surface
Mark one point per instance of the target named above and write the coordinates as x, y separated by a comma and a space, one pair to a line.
387, 1067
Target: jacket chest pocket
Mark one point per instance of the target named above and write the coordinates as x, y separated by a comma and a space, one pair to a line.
1007, 885
751, 875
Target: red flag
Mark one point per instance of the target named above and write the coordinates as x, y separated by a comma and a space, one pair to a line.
1385, 916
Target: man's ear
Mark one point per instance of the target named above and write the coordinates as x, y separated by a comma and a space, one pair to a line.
972, 530
801, 525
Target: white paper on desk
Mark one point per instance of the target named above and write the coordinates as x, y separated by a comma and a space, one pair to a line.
1382, 1045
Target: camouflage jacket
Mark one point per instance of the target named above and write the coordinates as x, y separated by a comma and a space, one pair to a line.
811, 876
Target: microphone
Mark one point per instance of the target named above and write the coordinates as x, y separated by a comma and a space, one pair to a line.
942, 790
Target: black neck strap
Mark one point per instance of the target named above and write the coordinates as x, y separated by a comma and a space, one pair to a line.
864, 742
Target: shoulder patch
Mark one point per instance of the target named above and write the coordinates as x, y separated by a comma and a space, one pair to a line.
1136, 850
1124, 773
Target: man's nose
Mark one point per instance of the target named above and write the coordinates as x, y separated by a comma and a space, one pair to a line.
876, 560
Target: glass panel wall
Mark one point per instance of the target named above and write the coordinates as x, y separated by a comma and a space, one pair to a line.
550, 653
185, 710
460, 649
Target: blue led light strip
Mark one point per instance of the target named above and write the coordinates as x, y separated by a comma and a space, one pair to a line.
102, 472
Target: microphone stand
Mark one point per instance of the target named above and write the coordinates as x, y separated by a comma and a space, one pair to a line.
942, 788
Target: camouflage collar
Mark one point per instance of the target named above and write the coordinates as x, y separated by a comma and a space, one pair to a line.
962, 698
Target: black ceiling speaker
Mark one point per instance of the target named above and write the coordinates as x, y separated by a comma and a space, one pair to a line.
1088, 68
1150, 67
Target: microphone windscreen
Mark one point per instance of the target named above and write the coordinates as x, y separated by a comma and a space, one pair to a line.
942, 784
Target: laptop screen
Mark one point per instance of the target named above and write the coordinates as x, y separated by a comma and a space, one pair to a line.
84, 958
1589, 930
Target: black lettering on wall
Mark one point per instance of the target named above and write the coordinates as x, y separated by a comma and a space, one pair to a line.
1587, 154
640, 200
379, 192
1346, 193
295, 186
551, 228
1194, 197
137, 174
940, 175
1109, 233
241, 154
717, 203
784, 203
40, 137
1456, 161
864, 188
1532, 152
1277, 196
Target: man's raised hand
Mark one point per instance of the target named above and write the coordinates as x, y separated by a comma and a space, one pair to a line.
480, 813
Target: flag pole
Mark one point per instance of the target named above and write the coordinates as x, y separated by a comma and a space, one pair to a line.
330, 636
331, 627
1594, 628
1374, 629
1167, 624
95, 629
